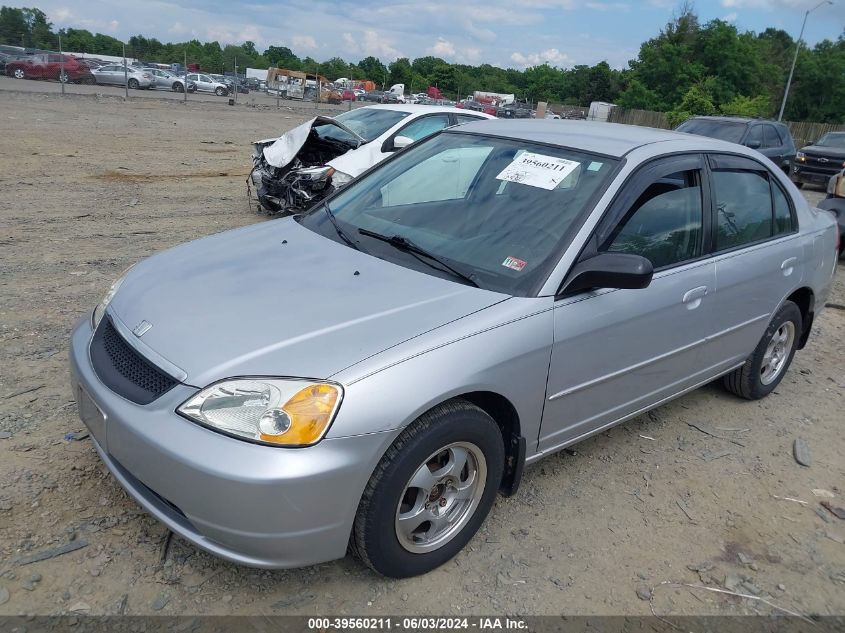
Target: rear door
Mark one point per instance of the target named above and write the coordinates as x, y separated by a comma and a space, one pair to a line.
758, 254
617, 352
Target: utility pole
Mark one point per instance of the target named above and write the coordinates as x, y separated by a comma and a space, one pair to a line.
795, 58
236, 79
125, 75
185, 99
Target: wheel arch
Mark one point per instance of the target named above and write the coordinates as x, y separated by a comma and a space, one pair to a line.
804, 298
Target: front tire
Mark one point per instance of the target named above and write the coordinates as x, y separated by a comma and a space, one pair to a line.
765, 368
133, 84
221, 92
18, 73
430, 492
177, 87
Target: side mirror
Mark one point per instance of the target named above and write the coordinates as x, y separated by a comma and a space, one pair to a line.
401, 142
753, 144
610, 270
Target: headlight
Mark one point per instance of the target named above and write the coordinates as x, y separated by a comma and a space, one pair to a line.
800, 157
277, 411
315, 173
100, 310
339, 179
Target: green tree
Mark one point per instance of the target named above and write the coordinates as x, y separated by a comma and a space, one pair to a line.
696, 101
282, 57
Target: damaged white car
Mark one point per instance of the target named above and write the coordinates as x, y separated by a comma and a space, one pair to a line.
310, 161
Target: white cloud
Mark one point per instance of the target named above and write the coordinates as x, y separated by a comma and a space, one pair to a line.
442, 48
731, 17
551, 56
371, 43
304, 42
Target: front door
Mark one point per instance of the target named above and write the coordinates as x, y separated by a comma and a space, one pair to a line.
617, 352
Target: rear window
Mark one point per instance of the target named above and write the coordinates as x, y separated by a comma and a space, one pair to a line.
724, 130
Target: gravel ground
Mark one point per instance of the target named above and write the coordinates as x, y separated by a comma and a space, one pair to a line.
701, 491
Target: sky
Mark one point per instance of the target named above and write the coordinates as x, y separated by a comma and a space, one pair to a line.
507, 33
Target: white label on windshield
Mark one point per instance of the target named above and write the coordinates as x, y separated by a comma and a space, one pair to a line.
538, 170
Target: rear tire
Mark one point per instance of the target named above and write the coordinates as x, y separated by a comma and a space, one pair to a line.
767, 365
430, 492
18, 73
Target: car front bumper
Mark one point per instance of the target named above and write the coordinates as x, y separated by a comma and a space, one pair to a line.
812, 174
254, 505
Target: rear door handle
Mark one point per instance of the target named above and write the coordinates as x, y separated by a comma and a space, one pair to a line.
788, 266
693, 297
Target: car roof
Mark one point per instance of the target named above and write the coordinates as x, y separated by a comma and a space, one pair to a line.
736, 119
416, 109
610, 139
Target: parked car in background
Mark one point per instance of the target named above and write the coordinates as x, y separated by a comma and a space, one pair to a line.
205, 83
114, 74
369, 375
817, 163
349, 95
771, 138
373, 95
318, 157
835, 203
63, 68
359, 91
166, 80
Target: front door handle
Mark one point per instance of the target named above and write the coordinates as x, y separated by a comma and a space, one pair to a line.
788, 266
693, 297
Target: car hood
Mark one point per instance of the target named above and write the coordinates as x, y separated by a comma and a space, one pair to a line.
285, 148
357, 161
278, 299
826, 151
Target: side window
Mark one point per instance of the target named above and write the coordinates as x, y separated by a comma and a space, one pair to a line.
468, 118
665, 224
743, 207
755, 136
52, 57
771, 137
784, 222
424, 126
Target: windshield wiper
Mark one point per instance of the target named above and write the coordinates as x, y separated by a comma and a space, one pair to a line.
404, 244
341, 233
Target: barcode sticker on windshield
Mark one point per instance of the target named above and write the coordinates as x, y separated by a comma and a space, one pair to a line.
538, 170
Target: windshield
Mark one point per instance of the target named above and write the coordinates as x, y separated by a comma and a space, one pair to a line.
714, 129
369, 123
498, 211
832, 140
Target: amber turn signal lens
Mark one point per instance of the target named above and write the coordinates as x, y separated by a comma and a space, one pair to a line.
310, 411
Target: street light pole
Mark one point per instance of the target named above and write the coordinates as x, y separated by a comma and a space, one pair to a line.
795, 58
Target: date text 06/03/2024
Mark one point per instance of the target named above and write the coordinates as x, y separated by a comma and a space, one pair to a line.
416, 624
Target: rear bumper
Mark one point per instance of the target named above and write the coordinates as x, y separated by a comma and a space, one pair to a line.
253, 505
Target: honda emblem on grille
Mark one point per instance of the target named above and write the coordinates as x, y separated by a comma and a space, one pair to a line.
142, 328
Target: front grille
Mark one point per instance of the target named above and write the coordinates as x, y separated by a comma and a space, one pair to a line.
125, 371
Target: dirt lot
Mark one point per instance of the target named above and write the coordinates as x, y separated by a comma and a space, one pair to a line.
694, 492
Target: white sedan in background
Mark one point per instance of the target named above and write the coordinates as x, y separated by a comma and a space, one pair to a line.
307, 163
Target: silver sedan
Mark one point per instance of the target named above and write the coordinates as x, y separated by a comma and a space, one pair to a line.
166, 80
374, 371
118, 74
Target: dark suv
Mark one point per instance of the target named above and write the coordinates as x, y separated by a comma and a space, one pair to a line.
816, 163
770, 138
